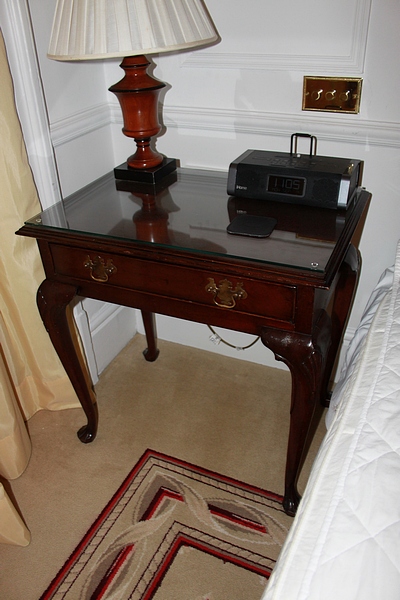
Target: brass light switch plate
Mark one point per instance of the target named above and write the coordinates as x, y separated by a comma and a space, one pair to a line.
332, 94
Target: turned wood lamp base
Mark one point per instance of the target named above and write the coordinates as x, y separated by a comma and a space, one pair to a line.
138, 94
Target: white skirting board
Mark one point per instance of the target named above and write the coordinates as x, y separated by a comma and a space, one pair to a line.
199, 336
106, 329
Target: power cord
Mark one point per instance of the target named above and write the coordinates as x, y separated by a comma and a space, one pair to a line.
216, 339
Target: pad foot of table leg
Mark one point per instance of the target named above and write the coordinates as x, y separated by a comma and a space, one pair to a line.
86, 435
151, 356
290, 504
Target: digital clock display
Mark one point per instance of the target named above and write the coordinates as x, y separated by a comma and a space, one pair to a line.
290, 186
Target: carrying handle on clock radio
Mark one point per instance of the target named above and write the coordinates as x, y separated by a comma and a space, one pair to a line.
293, 141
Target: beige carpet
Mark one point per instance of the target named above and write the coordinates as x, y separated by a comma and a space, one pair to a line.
222, 414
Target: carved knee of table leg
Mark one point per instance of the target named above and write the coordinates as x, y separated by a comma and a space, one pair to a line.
305, 355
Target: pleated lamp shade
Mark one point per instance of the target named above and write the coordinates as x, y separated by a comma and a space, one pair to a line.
96, 29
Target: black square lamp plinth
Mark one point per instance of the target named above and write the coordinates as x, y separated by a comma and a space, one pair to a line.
153, 175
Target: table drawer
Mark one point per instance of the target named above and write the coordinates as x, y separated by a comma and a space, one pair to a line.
197, 285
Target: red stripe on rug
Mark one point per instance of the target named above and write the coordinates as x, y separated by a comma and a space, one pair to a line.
225, 514
113, 572
158, 499
95, 526
183, 540
148, 454
212, 474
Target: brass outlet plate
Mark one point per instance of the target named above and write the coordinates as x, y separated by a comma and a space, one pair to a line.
332, 94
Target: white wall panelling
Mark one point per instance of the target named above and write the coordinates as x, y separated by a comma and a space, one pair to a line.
288, 35
246, 92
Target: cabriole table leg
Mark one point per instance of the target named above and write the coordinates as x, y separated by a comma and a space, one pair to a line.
306, 358
53, 299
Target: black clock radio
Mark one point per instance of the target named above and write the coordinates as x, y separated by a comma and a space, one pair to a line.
323, 181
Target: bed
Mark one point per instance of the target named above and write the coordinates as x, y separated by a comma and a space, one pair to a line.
345, 539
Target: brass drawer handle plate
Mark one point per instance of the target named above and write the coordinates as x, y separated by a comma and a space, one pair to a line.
99, 269
224, 294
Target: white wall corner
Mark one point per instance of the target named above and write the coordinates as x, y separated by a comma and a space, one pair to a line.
111, 328
82, 323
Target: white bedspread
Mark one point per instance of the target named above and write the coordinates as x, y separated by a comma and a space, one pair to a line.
345, 540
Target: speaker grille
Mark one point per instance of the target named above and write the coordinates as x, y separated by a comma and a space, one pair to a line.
325, 192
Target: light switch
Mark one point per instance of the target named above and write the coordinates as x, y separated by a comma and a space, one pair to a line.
332, 94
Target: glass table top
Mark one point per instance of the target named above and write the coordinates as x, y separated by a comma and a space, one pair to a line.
190, 211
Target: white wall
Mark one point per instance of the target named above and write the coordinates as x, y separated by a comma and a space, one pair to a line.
246, 92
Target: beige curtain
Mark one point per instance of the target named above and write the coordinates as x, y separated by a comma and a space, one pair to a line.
31, 375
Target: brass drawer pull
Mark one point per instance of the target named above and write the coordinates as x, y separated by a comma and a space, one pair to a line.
224, 295
100, 270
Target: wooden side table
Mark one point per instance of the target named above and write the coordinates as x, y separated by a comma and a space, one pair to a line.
165, 250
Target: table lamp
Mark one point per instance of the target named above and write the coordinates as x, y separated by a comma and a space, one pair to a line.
101, 29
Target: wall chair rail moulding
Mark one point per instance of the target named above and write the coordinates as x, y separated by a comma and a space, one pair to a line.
352, 131
349, 19
230, 121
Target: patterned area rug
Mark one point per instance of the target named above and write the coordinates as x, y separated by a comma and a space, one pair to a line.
176, 531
